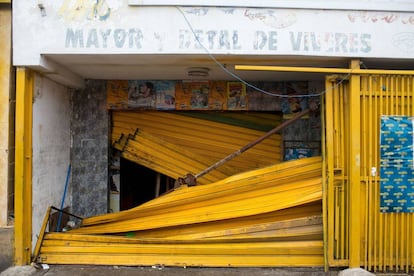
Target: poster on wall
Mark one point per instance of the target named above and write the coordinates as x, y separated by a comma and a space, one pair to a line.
165, 95
237, 99
193, 95
117, 91
141, 94
217, 99
396, 164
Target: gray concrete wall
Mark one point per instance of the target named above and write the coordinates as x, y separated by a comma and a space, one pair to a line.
90, 148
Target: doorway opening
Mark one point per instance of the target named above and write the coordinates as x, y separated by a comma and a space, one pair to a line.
139, 184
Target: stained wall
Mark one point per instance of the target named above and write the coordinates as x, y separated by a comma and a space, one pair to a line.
89, 125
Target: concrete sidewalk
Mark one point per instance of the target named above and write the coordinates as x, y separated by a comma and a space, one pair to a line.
92, 270
87, 270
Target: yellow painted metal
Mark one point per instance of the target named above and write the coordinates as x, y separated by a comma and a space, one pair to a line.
264, 217
305, 211
354, 169
23, 166
230, 188
41, 235
168, 158
191, 254
389, 235
386, 239
202, 137
352, 70
337, 138
329, 157
206, 207
324, 188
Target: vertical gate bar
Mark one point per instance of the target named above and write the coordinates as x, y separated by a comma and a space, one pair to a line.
337, 143
409, 248
412, 97
375, 207
343, 189
387, 217
330, 164
345, 153
412, 235
392, 215
371, 145
364, 145
339, 140
402, 89
410, 230
337, 113
324, 187
335, 152
393, 234
381, 217
403, 238
371, 164
400, 244
407, 95
337, 223
354, 169
399, 217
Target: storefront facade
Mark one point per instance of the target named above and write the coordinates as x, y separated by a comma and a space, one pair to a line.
79, 49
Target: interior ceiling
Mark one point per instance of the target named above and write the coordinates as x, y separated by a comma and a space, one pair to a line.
175, 67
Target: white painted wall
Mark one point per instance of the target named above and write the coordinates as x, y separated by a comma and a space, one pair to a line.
120, 27
51, 148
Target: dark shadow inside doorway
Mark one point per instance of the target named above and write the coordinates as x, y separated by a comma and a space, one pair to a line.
139, 184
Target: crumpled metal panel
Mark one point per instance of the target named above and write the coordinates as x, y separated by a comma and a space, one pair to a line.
264, 217
212, 140
167, 158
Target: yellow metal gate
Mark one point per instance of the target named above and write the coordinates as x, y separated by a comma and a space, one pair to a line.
385, 241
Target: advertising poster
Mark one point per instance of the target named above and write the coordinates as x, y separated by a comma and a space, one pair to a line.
193, 95
182, 96
117, 91
396, 164
165, 95
141, 94
218, 95
236, 92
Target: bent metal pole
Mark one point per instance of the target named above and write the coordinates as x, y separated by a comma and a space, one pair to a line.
253, 143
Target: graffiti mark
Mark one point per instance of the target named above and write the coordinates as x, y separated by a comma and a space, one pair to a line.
228, 10
197, 11
160, 40
409, 20
273, 19
100, 10
388, 18
85, 9
404, 42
